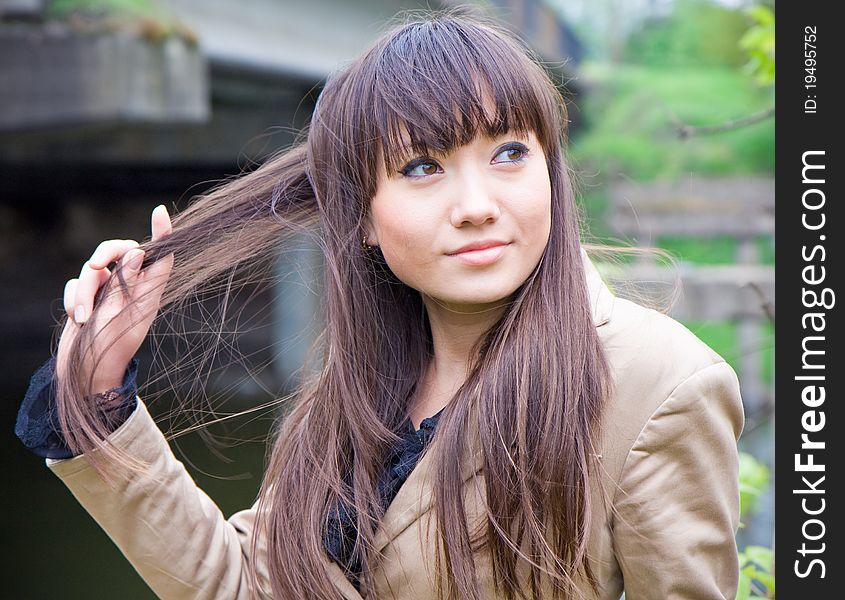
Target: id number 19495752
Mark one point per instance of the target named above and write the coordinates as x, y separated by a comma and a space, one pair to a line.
810, 65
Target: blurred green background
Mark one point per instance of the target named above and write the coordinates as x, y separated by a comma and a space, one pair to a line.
659, 91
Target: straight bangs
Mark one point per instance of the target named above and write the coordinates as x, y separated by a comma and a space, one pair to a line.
439, 84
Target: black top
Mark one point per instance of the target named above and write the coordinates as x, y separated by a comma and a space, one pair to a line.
340, 530
39, 430
37, 425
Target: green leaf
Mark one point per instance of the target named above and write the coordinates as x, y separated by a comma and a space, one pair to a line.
759, 42
762, 14
753, 38
743, 592
759, 555
753, 478
766, 579
756, 563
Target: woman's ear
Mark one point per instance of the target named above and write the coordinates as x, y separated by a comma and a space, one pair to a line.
370, 230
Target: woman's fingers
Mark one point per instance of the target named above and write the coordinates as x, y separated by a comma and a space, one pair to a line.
132, 261
125, 319
94, 274
153, 279
151, 282
160, 222
80, 292
110, 251
87, 284
70, 297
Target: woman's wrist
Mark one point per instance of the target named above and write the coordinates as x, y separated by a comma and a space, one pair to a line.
105, 386
107, 400
37, 425
109, 376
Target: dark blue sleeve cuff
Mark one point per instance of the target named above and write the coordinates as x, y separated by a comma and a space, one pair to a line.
38, 426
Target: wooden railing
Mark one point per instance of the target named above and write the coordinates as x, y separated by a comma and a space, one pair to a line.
742, 292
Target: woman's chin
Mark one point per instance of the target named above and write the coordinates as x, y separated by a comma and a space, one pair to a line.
469, 303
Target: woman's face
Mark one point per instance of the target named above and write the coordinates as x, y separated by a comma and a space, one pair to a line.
467, 228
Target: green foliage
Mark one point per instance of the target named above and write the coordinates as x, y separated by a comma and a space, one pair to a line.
719, 250
63, 8
697, 33
759, 42
753, 478
721, 336
756, 579
630, 114
756, 563
766, 249
146, 17
767, 351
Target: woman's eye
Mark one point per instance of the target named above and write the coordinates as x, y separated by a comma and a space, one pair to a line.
511, 153
425, 167
420, 168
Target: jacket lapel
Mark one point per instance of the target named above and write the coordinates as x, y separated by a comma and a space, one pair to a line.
415, 495
343, 585
601, 298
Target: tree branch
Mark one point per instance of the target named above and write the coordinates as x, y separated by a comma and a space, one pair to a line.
685, 131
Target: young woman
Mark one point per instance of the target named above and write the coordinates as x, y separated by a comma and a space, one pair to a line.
489, 421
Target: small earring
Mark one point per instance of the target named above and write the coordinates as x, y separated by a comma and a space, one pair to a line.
364, 245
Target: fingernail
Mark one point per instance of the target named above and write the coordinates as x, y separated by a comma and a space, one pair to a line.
79, 314
135, 260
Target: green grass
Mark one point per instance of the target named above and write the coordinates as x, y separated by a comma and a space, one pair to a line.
719, 250
630, 114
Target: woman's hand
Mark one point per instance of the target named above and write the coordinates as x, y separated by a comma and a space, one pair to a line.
117, 339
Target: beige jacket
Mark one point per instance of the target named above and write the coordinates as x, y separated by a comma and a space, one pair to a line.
669, 455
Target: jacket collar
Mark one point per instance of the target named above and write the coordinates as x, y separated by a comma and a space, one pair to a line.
601, 298
415, 495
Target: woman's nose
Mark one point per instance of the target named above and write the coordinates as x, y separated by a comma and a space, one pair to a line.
473, 201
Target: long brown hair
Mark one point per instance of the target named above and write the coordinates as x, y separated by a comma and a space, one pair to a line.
536, 389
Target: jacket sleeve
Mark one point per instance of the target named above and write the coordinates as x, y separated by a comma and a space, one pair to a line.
174, 535
37, 425
677, 504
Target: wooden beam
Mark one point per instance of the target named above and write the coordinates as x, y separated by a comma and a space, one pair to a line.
712, 293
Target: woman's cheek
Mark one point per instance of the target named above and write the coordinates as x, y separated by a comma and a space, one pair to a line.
400, 262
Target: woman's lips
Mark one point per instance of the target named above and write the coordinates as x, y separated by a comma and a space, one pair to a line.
482, 257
